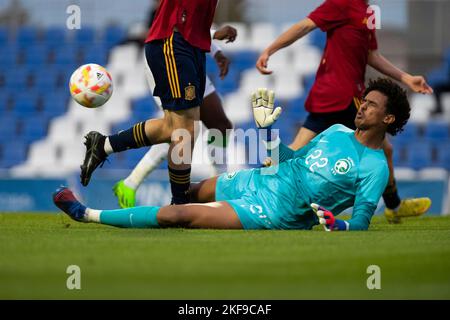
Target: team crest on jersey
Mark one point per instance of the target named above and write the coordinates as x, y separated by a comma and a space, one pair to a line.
189, 93
342, 166
231, 175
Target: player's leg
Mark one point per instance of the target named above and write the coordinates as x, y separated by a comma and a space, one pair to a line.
183, 96
204, 191
180, 153
125, 190
303, 137
215, 215
395, 207
98, 146
214, 118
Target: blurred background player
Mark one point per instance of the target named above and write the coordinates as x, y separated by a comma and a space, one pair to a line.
212, 116
175, 51
338, 169
335, 95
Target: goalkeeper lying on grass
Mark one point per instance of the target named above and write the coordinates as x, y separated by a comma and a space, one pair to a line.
338, 169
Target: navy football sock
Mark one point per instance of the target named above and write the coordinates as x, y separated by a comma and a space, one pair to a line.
180, 181
132, 138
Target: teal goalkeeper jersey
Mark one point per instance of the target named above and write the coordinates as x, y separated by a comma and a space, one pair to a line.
335, 171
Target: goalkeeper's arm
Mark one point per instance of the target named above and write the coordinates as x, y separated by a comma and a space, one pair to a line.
265, 115
362, 213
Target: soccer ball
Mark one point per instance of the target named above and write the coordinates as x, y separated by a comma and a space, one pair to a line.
91, 85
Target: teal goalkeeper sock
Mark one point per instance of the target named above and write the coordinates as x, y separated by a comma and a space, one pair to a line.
137, 217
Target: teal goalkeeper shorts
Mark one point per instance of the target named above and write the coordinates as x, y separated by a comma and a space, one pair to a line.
236, 189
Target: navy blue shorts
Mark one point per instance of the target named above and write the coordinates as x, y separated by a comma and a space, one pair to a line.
179, 72
318, 122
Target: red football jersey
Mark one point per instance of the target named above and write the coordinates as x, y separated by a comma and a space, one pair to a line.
341, 73
192, 18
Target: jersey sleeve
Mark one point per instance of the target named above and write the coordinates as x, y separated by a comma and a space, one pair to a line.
370, 187
330, 14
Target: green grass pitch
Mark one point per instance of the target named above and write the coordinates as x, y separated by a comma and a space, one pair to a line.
36, 249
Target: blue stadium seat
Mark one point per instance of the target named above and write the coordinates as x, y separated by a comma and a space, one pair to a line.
397, 158
32, 69
443, 156
295, 108
243, 59
318, 39
14, 153
437, 132
55, 103
440, 75
117, 161
399, 152
3, 72
229, 84
8, 127
84, 36
65, 72
8, 56
45, 80
308, 82
27, 36
410, 133
4, 99
288, 127
95, 54
65, 56
55, 37
113, 35
211, 65
132, 157
419, 155
17, 79
36, 55
4, 35
53, 108
124, 125
25, 106
34, 130
144, 107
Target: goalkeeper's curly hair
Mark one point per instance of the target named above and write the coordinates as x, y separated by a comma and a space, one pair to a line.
397, 102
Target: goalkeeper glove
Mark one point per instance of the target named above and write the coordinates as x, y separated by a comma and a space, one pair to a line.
327, 219
264, 113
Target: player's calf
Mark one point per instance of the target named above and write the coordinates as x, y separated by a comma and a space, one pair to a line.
180, 154
174, 216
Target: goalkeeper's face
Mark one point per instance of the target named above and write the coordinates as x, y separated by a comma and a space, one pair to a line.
373, 112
